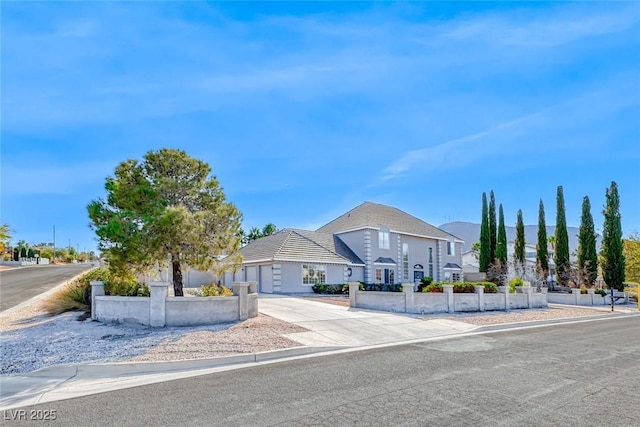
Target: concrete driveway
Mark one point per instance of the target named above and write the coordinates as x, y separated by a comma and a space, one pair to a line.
333, 325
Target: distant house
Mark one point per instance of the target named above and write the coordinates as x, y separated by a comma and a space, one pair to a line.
470, 259
372, 243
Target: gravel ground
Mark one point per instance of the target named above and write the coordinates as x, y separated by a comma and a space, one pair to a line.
30, 339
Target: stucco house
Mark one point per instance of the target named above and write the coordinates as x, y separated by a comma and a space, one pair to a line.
372, 243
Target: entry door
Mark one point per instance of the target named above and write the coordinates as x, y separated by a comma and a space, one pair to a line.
417, 276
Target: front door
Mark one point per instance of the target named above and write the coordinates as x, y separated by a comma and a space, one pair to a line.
417, 277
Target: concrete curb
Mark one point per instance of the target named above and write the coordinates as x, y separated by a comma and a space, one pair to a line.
69, 381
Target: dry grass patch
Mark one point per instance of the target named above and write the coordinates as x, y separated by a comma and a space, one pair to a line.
72, 296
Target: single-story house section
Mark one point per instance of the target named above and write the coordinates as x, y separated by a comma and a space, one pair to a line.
293, 260
372, 243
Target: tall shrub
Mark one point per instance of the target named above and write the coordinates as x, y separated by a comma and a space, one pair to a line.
492, 226
518, 255
612, 256
561, 256
501, 245
542, 253
587, 255
485, 238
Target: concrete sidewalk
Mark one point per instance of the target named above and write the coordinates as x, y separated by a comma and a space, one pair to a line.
331, 328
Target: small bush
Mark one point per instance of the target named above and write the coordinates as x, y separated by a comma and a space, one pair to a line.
515, 282
433, 287
601, 292
425, 281
583, 289
489, 287
323, 288
214, 290
463, 288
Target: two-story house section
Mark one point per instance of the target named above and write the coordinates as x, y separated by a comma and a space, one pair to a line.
372, 243
397, 247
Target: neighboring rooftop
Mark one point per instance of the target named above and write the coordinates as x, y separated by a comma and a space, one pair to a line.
375, 215
300, 245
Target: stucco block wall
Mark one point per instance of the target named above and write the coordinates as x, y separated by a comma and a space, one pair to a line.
494, 302
122, 309
194, 311
385, 301
430, 303
466, 302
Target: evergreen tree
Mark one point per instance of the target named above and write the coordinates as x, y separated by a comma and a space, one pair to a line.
561, 257
485, 238
613, 262
542, 253
587, 255
518, 255
501, 245
492, 226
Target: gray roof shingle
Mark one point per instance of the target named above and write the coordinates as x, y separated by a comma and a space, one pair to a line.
301, 245
375, 215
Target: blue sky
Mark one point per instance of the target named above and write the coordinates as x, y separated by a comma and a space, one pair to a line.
305, 110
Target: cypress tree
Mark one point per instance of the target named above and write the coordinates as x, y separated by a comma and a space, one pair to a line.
561, 256
542, 253
492, 226
587, 255
501, 244
485, 239
518, 255
612, 257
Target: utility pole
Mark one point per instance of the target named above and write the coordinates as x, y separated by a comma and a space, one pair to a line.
53, 261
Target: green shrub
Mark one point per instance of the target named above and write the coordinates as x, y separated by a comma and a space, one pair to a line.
433, 287
489, 287
319, 288
601, 292
213, 290
425, 281
515, 282
463, 287
345, 287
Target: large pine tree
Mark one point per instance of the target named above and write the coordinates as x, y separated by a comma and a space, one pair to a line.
542, 253
561, 256
612, 257
518, 255
485, 238
492, 226
501, 244
587, 255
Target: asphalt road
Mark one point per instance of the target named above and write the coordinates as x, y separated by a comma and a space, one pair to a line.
582, 374
20, 284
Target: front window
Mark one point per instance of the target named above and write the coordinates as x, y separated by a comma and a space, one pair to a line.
392, 276
312, 274
456, 277
383, 238
378, 275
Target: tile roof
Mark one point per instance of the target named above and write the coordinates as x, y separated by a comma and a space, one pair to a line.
302, 245
451, 265
374, 215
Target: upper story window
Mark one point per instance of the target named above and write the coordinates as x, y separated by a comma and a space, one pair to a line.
405, 261
451, 248
383, 238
